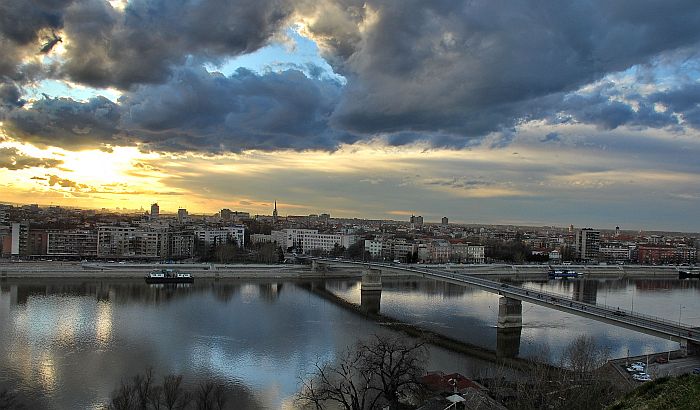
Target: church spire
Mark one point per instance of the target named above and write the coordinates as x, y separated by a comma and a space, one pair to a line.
274, 213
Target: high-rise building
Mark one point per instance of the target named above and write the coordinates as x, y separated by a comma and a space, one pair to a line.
274, 214
587, 244
416, 222
225, 214
181, 215
445, 221
155, 211
19, 238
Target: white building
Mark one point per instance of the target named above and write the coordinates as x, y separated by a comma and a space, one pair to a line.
306, 240
476, 254
260, 238
374, 247
616, 253
222, 235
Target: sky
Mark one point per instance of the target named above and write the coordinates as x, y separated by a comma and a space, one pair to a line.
536, 112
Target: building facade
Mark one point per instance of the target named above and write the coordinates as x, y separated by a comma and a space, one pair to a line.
73, 243
587, 243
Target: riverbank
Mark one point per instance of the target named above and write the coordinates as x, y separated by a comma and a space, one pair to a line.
39, 269
96, 270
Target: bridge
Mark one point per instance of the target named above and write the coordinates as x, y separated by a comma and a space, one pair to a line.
510, 305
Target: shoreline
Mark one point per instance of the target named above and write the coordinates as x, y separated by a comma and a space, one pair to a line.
57, 269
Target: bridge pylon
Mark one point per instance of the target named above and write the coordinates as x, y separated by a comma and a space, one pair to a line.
510, 313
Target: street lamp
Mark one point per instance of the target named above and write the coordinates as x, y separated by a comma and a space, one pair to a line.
679, 314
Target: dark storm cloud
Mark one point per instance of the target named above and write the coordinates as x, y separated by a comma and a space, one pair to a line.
24, 24
451, 72
145, 42
14, 159
472, 67
193, 111
22, 20
201, 111
10, 96
66, 123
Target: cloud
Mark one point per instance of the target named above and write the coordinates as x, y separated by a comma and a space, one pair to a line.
452, 73
149, 38
469, 68
193, 111
201, 111
13, 159
66, 123
458, 182
65, 183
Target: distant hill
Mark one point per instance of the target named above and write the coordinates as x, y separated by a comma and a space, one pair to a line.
666, 393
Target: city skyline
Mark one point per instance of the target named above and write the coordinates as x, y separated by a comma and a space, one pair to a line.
583, 114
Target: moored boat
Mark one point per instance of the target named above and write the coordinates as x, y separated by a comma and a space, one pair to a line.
169, 276
687, 274
561, 274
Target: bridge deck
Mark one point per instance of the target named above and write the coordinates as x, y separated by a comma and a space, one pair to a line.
632, 320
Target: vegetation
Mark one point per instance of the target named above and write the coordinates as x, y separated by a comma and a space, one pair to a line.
514, 251
142, 392
681, 392
375, 374
577, 383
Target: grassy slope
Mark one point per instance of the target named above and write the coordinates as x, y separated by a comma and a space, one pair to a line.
666, 393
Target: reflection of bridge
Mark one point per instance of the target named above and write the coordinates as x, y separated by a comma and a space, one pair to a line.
510, 305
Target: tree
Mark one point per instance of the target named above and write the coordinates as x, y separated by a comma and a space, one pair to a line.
356, 250
338, 250
370, 375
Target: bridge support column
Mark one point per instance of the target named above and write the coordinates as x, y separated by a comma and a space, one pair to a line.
371, 291
317, 266
510, 313
510, 325
684, 347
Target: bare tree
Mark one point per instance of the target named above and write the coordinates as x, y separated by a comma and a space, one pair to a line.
174, 395
371, 374
396, 366
210, 396
584, 355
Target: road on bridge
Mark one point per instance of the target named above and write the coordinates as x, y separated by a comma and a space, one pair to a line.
632, 320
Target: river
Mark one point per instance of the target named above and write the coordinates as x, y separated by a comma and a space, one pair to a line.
68, 343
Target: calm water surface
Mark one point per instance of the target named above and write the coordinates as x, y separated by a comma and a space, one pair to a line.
67, 344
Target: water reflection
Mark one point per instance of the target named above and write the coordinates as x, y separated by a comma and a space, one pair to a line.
67, 343
471, 315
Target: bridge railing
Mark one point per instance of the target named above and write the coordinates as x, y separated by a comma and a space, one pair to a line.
633, 316
555, 298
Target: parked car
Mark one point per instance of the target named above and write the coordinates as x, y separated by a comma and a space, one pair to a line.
661, 360
696, 370
642, 377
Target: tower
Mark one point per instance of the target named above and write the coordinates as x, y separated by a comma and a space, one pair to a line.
155, 211
274, 214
